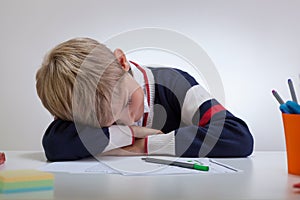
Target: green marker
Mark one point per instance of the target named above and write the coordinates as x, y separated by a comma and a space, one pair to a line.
178, 164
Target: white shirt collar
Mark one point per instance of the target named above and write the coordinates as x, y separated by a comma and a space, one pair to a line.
139, 77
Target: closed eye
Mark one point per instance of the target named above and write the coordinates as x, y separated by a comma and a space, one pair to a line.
129, 102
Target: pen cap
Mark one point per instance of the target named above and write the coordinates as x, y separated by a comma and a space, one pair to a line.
201, 167
291, 123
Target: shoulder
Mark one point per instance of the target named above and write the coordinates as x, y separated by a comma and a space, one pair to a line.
169, 75
172, 84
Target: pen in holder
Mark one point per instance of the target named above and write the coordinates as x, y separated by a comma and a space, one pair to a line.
291, 123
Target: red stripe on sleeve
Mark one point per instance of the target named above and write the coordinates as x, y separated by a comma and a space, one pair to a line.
209, 113
132, 133
146, 145
145, 118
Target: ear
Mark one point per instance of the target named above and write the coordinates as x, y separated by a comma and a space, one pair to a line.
119, 54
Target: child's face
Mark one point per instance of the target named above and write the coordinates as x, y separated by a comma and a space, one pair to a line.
129, 107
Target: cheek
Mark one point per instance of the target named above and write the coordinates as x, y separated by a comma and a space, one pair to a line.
141, 101
138, 106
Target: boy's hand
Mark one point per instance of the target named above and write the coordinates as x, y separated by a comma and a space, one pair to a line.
142, 132
137, 149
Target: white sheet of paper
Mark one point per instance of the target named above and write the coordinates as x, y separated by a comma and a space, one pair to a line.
135, 166
76, 167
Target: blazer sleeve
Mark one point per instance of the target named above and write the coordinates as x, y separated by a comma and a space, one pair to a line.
214, 132
209, 128
65, 140
200, 124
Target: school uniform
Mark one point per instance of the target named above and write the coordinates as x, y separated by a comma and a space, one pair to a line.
195, 124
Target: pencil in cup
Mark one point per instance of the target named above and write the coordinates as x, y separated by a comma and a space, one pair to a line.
292, 90
277, 97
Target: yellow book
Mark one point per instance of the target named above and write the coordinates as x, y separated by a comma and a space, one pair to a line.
24, 175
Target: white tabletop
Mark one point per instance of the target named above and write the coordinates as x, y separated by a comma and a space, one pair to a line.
264, 176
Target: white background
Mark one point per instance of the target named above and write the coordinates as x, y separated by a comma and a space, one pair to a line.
254, 45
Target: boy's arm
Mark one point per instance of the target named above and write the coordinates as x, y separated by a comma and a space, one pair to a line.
64, 140
120, 134
136, 149
152, 144
206, 128
216, 134
219, 135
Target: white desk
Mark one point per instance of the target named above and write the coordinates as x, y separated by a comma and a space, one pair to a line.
265, 177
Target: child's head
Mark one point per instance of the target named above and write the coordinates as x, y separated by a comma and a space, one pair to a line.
79, 79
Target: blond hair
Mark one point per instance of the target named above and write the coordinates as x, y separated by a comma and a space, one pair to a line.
76, 80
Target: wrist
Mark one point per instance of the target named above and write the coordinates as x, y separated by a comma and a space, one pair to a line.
162, 144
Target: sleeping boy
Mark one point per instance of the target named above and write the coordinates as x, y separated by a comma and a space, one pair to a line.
104, 104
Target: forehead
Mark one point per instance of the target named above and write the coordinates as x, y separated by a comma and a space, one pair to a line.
126, 85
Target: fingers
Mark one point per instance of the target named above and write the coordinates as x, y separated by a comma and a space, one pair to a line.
142, 132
